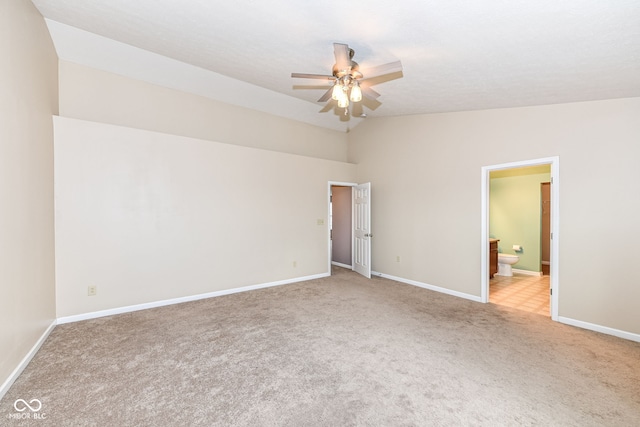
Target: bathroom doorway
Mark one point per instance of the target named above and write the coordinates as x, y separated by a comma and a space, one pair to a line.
527, 282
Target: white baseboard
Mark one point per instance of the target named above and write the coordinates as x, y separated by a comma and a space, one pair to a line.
25, 361
137, 307
527, 272
598, 328
339, 264
430, 287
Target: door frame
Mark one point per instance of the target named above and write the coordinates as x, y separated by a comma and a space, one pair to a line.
555, 222
545, 246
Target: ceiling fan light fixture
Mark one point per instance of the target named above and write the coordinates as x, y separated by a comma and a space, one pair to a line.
356, 92
343, 99
346, 76
337, 89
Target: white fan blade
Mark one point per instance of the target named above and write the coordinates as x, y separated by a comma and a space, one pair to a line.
328, 107
380, 70
326, 96
369, 93
371, 104
311, 76
357, 110
341, 52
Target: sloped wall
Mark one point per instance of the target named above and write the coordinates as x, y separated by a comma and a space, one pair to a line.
95, 95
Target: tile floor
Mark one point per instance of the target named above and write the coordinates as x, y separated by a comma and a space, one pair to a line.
528, 293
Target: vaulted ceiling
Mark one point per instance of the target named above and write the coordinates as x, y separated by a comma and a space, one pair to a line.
457, 54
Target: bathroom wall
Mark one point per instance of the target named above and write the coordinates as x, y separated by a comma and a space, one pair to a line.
514, 212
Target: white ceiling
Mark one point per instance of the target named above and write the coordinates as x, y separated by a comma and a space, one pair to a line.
457, 54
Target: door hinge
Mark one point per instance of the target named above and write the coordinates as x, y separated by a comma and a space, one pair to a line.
551, 236
552, 180
550, 291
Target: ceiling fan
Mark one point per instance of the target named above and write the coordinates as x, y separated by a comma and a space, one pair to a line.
349, 84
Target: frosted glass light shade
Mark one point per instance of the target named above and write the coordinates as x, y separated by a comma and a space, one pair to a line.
343, 99
335, 93
356, 93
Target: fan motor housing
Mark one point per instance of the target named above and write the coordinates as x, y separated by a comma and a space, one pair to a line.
353, 70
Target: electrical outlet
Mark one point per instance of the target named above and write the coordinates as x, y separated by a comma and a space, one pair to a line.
320, 221
295, 264
398, 258
92, 291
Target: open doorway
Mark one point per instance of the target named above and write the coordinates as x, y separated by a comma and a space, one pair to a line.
340, 227
351, 234
530, 252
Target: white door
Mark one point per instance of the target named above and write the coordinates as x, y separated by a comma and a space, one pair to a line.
362, 229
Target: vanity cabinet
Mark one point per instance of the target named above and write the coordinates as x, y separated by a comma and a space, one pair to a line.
493, 257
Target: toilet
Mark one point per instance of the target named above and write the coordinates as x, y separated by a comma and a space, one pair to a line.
505, 261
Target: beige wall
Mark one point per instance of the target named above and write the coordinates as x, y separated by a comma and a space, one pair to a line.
90, 94
28, 98
148, 216
425, 172
215, 197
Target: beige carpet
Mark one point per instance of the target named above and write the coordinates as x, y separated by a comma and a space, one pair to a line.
338, 351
